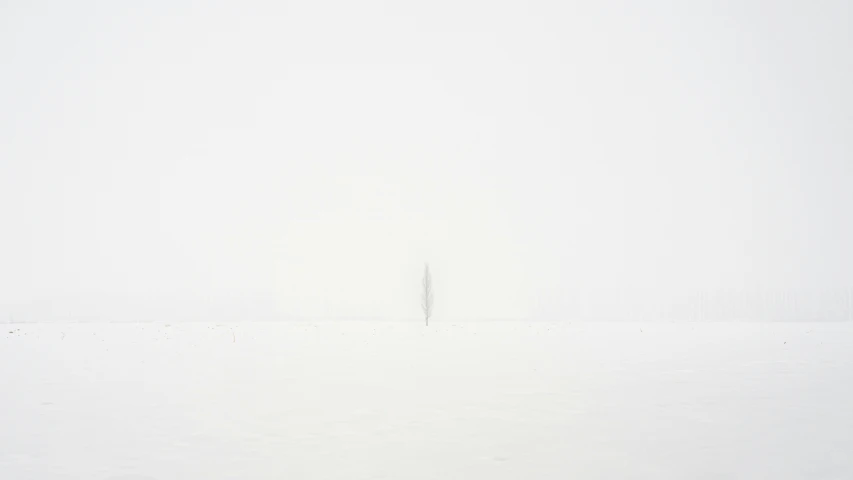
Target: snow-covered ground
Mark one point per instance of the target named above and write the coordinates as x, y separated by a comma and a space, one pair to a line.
383, 400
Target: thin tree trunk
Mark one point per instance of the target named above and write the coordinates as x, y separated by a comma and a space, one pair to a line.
427, 295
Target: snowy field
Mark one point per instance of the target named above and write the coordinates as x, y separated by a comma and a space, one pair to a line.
383, 400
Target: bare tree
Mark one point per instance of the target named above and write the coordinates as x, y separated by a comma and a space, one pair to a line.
426, 295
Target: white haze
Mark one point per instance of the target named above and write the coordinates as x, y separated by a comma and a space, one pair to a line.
173, 159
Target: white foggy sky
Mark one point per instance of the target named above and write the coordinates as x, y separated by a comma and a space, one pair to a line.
305, 158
